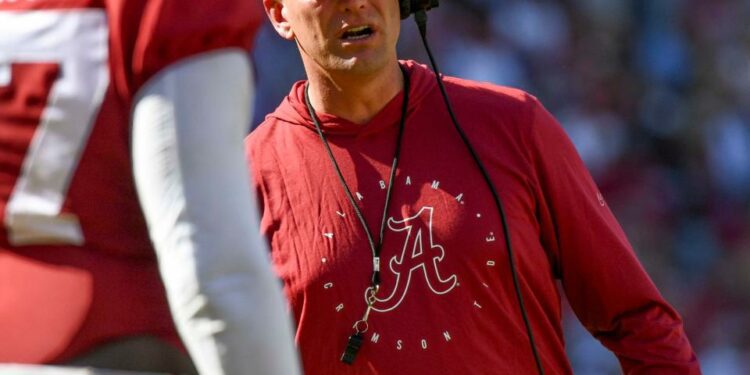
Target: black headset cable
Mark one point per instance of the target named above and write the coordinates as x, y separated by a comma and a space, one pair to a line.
420, 17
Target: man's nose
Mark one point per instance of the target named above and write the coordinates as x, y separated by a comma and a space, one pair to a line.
353, 5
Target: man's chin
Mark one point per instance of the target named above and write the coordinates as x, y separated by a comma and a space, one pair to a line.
361, 64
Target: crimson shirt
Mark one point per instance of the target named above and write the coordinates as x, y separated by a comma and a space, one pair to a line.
76, 265
447, 303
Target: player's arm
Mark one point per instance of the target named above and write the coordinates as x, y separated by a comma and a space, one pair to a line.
189, 122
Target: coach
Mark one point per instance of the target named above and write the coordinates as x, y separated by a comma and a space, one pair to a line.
407, 249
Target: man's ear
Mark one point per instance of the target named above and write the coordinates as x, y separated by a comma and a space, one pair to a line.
275, 11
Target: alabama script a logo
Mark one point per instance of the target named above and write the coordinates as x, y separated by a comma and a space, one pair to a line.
416, 260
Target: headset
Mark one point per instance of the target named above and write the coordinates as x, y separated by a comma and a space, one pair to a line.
410, 6
419, 8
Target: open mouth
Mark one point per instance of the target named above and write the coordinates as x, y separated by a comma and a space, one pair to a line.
357, 33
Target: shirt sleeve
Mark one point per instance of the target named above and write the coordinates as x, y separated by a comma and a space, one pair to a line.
605, 283
149, 35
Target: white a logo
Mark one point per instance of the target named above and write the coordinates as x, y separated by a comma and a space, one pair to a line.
415, 257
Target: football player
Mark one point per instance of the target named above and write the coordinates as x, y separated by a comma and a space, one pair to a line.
121, 127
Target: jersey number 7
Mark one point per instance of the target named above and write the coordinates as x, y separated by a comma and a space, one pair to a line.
53, 77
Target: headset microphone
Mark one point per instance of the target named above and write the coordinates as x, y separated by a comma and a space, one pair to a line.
412, 6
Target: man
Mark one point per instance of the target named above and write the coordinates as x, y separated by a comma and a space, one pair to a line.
425, 285
79, 280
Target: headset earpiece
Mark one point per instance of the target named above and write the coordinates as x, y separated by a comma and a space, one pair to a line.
407, 7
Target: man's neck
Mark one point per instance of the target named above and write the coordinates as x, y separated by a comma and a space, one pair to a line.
354, 97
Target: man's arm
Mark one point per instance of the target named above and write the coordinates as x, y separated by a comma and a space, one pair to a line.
189, 122
605, 283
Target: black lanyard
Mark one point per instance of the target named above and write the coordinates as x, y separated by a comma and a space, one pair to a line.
361, 326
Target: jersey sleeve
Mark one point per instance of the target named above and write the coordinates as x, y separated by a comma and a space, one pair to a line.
148, 35
605, 283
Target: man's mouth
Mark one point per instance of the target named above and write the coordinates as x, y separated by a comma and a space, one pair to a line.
356, 33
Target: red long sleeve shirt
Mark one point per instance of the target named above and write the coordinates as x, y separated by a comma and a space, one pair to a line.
447, 303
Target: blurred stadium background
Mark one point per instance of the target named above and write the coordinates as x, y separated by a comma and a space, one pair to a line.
656, 96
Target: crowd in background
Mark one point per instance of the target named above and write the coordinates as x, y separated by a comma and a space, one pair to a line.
656, 97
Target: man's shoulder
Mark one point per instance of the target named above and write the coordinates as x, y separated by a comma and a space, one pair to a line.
266, 140
260, 133
470, 92
484, 101
490, 94
147, 37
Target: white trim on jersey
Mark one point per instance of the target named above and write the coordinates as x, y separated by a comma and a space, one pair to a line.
188, 129
76, 41
18, 369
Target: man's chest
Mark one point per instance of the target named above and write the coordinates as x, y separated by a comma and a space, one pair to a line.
442, 263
